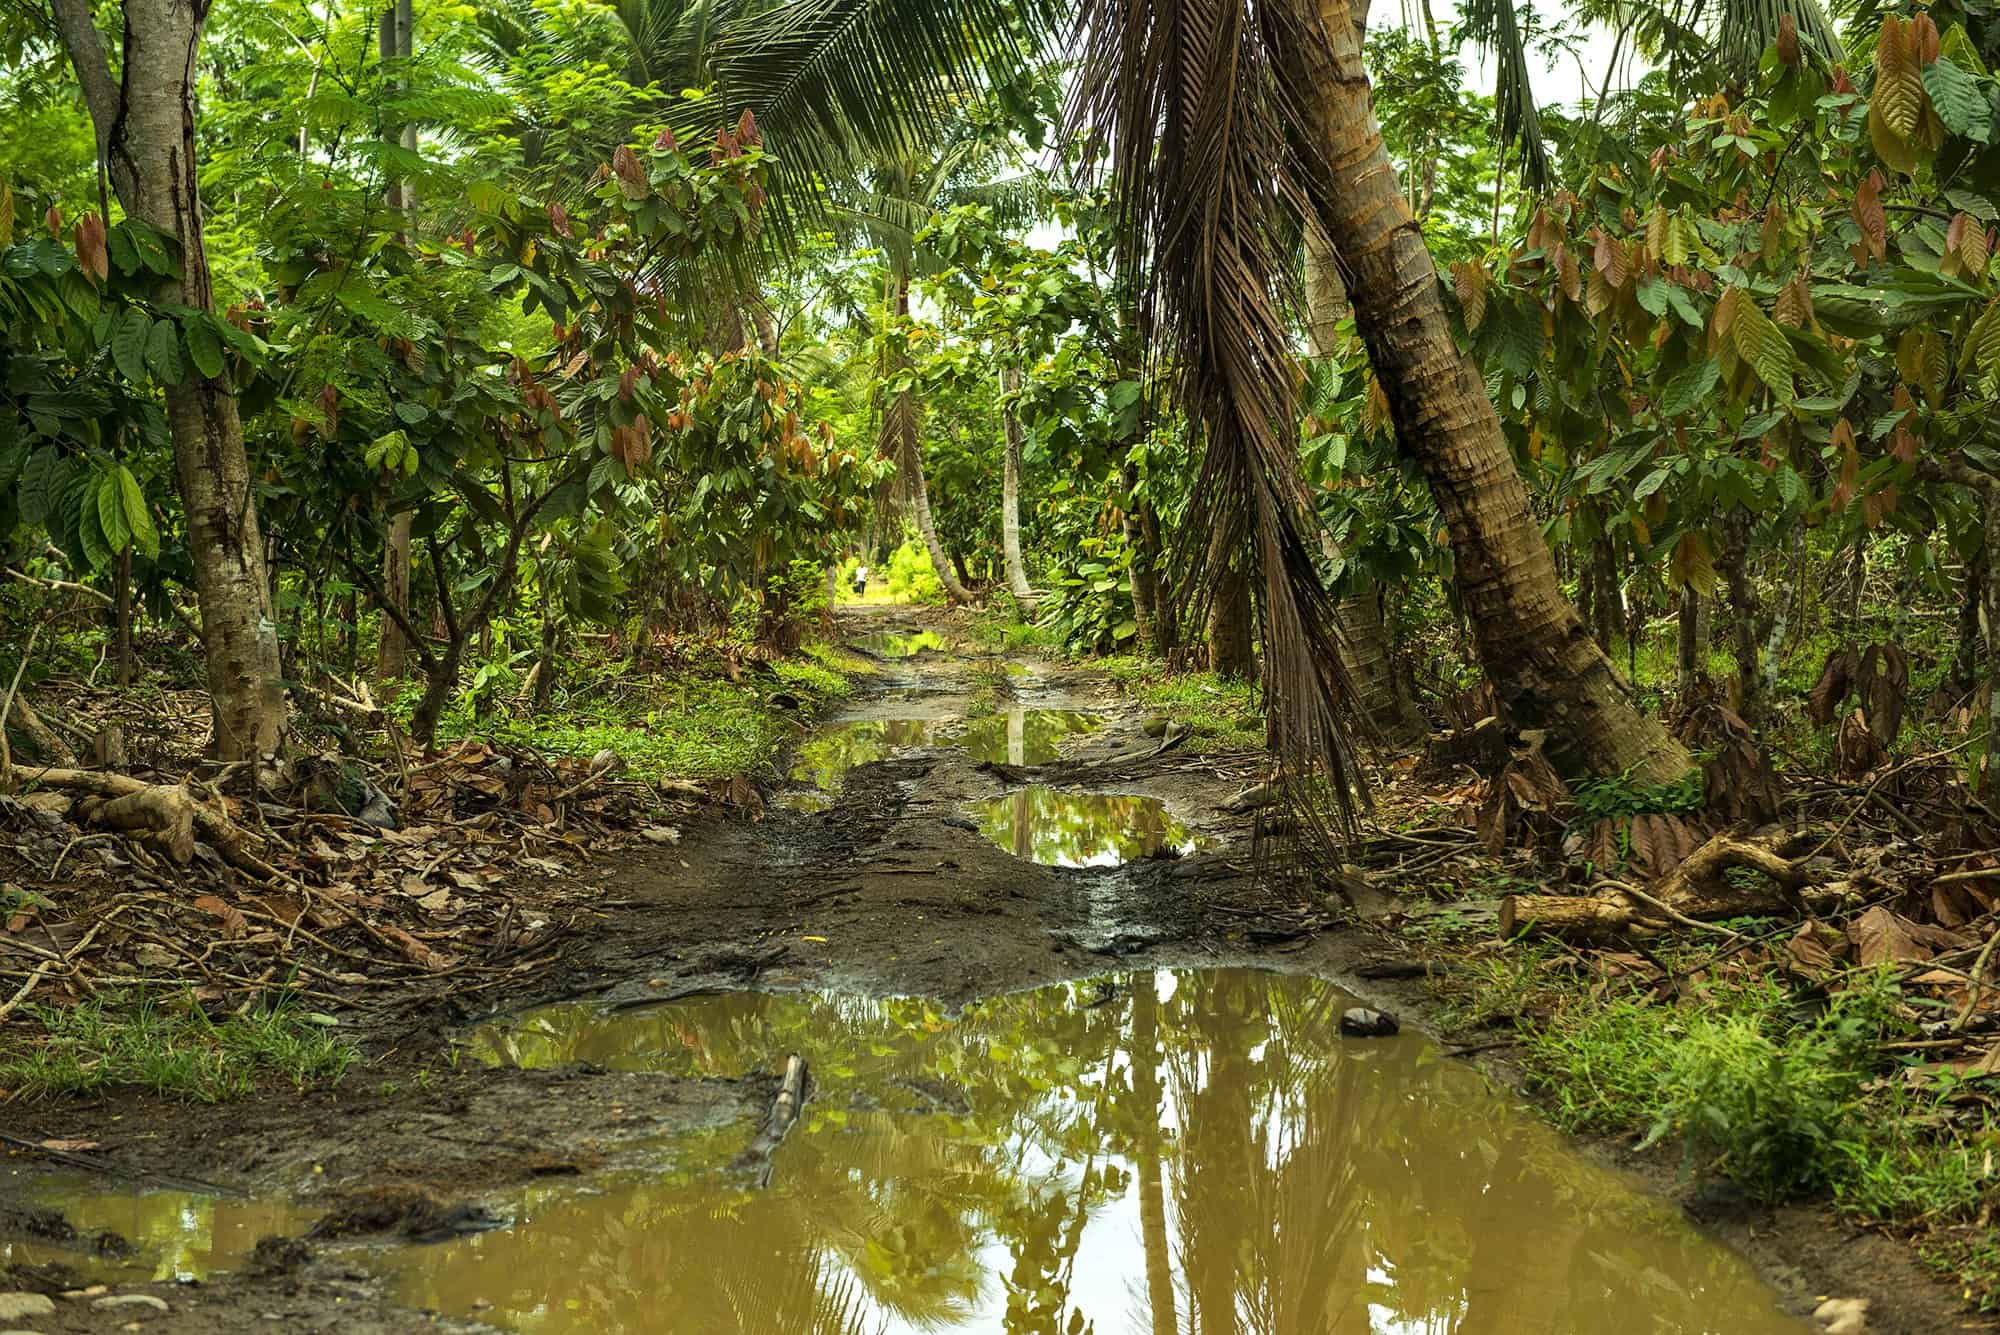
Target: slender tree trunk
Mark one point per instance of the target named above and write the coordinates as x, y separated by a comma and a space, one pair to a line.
1989, 599
1742, 616
146, 139
396, 41
1789, 596
1965, 664
1010, 493
122, 616
1692, 642
1544, 667
902, 442
1229, 620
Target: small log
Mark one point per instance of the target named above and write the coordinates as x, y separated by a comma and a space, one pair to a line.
1698, 889
757, 1159
168, 813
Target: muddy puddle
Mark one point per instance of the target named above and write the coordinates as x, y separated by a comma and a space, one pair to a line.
902, 644
1017, 735
1158, 1151
1058, 828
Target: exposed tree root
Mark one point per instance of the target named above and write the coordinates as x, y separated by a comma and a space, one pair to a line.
1699, 890
170, 816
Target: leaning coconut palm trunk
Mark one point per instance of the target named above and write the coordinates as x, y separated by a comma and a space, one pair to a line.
1545, 668
1185, 95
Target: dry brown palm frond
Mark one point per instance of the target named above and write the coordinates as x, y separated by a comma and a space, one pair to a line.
1192, 98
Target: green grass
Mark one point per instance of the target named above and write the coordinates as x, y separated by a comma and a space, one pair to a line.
685, 725
1786, 1094
1225, 715
166, 1046
1001, 627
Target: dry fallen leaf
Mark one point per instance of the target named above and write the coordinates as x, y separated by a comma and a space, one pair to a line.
234, 925
1882, 937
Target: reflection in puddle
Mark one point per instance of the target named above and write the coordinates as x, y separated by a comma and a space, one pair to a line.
1020, 736
902, 644
177, 1235
824, 759
1153, 1152
1156, 1152
1023, 736
1063, 829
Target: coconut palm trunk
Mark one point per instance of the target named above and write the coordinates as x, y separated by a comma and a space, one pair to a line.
902, 441
1544, 667
1010, 492
145, 123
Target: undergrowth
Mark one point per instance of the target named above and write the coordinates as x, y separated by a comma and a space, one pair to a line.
686, 724
169, 1047
1225, 715
1783, 1093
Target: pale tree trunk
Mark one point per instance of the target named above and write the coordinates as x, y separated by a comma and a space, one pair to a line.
397, 41
1543, 665
1789, 596
902, 442
146, 140
1364, 647
1010, 493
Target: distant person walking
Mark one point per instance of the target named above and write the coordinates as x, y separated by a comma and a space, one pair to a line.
860, 581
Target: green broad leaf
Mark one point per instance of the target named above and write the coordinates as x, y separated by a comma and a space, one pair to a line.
151, 248
1791, 486
38, 482
1958, 45
204, 346
1960, 103
1690, 387
1979, 206
13, 454
124, 256
110, 505
408, 411
128, 345
1653, 295
1683, 303
90, 532
1651, 483
163, 352
138, 515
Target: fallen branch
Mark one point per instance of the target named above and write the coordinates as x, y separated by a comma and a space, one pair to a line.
1695, 893
784, 1112
168, 813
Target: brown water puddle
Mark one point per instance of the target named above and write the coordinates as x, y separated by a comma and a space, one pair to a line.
1016, 736
1058, 828
1150, 1152
903, 644
176, 1235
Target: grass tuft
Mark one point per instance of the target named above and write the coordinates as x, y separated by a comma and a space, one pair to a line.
169, 1047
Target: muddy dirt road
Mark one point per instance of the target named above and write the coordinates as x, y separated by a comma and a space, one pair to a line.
1064, 1063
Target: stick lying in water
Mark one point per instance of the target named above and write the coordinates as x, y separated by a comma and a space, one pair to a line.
784, 1111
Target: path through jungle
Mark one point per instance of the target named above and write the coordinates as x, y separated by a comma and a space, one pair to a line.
987, 1022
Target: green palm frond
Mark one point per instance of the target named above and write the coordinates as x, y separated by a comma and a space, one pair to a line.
1495, 27
839, 84
1195, 101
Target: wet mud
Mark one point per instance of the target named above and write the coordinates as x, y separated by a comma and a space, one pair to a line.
968, 1148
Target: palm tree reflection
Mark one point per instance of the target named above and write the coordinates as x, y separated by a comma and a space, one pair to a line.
1066, 829
1188, 1152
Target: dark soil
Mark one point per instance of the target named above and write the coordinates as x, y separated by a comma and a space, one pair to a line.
887, 891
